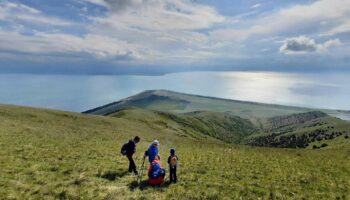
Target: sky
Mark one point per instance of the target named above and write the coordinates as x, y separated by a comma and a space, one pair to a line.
161, 36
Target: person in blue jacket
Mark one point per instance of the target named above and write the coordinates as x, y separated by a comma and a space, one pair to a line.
152, 151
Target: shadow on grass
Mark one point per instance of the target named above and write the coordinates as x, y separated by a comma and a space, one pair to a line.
144, 184
112, 175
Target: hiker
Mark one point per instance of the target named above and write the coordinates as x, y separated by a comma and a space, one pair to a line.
156, 173
172, 161
129, 152
152, 151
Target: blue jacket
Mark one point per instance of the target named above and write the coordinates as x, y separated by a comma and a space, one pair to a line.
152, 152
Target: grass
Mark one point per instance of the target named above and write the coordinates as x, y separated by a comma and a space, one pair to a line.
223, 126
48, 154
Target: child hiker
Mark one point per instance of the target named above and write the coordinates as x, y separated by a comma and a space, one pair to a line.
156, 173
172, 161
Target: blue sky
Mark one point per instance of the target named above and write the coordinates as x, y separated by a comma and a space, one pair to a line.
146, 36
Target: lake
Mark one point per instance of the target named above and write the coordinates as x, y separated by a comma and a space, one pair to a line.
82, 92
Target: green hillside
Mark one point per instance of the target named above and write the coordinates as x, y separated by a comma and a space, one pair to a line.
223, 126
236, 121
304, 130
169, 101
47, 154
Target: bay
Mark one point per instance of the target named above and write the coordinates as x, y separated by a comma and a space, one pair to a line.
81, 92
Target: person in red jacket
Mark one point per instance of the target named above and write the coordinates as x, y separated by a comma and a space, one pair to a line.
156, 173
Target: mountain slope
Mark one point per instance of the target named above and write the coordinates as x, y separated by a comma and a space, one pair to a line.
223, 126
235, 121
168, 101
47, 154
312, 129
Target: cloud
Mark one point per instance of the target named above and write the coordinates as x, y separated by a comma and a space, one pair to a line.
18, 13
170, 28
119, 5
343, 27
304, 44
163, 32
57, 44
298, 19
331, 43
143, 31
159, 15
256, 6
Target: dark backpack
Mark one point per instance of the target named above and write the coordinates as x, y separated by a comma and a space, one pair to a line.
124, 149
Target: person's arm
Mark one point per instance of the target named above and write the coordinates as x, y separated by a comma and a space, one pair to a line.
149, 171
133, 147
169, 159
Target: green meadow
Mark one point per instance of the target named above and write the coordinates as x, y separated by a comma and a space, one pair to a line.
47, 154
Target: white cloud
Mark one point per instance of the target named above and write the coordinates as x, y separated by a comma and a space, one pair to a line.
161, 15
255, 6
166, 26
17, 13
160, 31
94, 46
284, 21
142, 30
343, 27
302, 44
63, 44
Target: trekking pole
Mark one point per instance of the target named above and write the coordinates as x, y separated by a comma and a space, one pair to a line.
139, 177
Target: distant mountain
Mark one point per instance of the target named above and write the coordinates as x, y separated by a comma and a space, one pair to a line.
169, 101
231, 120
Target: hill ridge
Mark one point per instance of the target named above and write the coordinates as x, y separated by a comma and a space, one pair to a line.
172, 101
194, 95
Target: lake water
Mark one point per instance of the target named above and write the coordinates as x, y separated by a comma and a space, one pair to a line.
79, 93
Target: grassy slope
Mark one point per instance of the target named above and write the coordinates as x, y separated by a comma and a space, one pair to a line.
335, 125
223, 126
305, 124
52, 154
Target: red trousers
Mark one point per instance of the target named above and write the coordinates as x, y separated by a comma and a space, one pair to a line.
156, 181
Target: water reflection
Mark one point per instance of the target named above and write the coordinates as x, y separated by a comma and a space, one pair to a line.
78, 93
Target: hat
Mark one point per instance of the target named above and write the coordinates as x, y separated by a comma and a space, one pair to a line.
155, 142
172, 151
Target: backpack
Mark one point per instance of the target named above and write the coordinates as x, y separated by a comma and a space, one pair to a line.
156, 171
173, 161
124, 149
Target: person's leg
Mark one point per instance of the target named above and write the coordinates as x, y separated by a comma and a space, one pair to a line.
130, 162
133, 165
172, 174
175, 177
